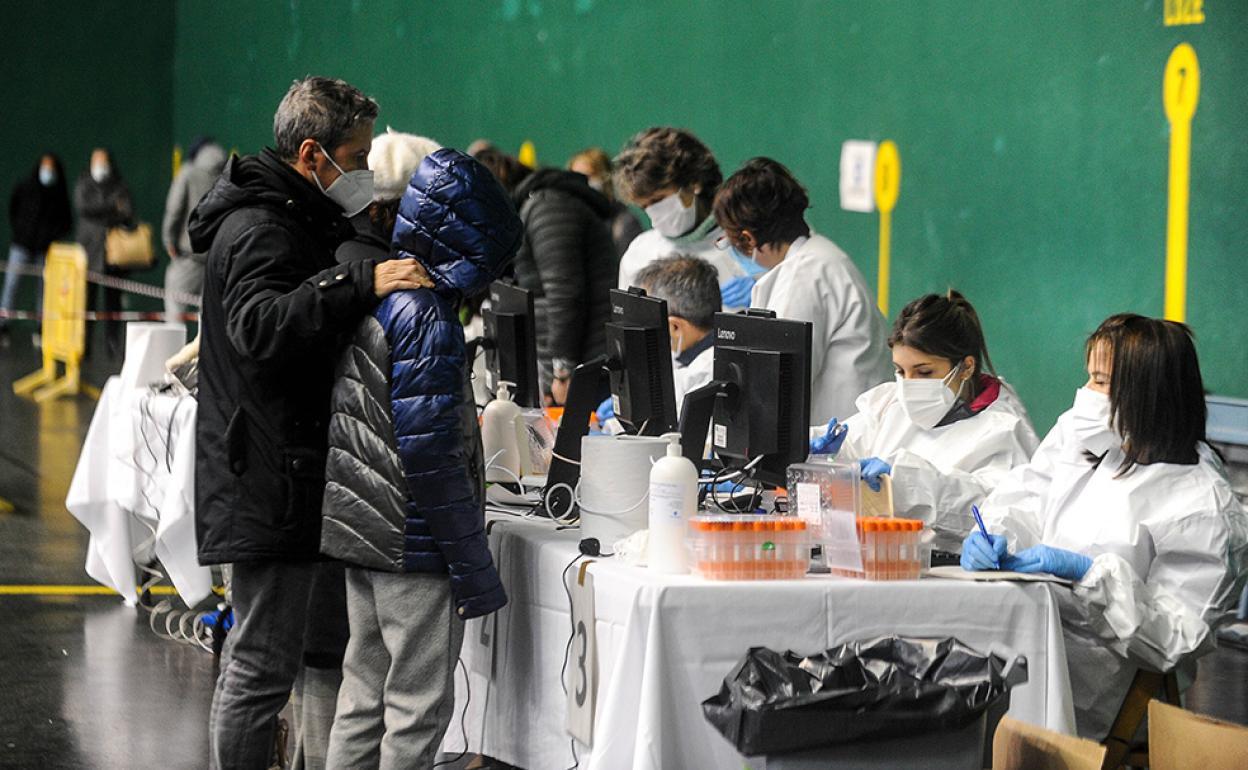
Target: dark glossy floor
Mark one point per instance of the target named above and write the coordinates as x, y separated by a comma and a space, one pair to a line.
86, 684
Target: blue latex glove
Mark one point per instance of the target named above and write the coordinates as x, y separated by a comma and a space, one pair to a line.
736, 293
1055, 561
980, 553
605, 411
830, 442
872, 468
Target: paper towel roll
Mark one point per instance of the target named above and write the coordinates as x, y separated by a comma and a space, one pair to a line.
615, 485
148, 346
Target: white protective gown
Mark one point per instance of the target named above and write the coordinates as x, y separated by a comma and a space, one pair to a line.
939, 473
818, 282
1168, 544
699, 372
652, 245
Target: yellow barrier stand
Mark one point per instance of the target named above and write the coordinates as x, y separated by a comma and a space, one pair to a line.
64, 324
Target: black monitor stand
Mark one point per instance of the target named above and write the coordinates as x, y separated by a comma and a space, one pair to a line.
695, 418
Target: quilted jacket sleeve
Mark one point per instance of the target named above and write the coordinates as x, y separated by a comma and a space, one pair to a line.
555, 229
429, 361
274, 310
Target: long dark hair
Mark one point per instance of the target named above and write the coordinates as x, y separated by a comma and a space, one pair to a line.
944, 325
1156, 394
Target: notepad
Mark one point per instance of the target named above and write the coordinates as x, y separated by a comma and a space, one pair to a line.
954, 572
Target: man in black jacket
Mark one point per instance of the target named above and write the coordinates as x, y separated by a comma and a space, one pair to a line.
277, 309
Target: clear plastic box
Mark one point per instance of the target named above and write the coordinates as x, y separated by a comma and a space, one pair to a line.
748, 547
819, 491
892, 549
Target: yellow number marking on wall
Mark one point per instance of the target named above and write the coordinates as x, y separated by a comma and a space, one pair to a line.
1180, 92
1179, 12
887, 188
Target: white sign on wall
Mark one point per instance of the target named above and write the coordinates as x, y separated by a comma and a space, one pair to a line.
858, 176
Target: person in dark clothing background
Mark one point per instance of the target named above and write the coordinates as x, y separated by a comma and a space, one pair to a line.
39, 214
103, 202
568, 261
277, 308
595, 165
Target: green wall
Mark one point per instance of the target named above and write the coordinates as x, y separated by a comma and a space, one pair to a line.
1032, 135
81, 74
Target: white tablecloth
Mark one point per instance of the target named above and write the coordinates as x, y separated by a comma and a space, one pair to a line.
665, 644
134, 490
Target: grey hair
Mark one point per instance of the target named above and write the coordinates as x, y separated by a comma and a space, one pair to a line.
324, 109
689, 284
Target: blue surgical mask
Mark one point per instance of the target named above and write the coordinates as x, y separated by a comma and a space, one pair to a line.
748, 264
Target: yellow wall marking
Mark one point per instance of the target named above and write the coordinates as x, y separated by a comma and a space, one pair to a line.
887, 188
177, 160
1179, 12
528, 154
1180, 92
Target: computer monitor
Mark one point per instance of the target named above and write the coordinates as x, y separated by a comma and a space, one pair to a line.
510, 343
762, 364
638, 365
639, 360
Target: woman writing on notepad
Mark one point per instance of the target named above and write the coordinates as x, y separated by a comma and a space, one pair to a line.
945, 430
1126, 499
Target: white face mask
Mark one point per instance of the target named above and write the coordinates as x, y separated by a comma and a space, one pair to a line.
352, 190
100, 171
926, 402
47, 176
1089, 419
671, 217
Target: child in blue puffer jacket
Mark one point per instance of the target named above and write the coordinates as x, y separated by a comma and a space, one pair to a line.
404, 490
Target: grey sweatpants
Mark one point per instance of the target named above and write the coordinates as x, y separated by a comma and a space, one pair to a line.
398, 687
184, 274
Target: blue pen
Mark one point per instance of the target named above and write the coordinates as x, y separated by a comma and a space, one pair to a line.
983, 530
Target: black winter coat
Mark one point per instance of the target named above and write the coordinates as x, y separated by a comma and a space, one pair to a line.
39, 215
568, 261
277, 311
101, 206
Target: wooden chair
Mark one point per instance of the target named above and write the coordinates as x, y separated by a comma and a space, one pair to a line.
1120, 745
1021, 746
1180, 740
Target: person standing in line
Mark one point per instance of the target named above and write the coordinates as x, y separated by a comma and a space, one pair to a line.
595, 165
185, 273
412, 530
103, 201
39, 214
277, 310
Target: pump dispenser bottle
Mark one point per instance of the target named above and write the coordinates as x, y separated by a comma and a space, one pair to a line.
503, 437
673, 501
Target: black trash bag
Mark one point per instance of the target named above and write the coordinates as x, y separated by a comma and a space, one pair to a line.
774, 703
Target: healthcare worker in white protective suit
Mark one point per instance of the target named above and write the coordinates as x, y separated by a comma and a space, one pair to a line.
671, 174
946, 430
1126, 499
690, 287
762, 211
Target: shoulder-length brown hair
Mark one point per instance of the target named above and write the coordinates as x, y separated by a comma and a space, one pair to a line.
1156, 394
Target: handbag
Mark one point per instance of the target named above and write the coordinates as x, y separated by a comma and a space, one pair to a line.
129, 249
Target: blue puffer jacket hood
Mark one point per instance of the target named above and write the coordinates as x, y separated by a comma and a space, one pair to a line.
458, 222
